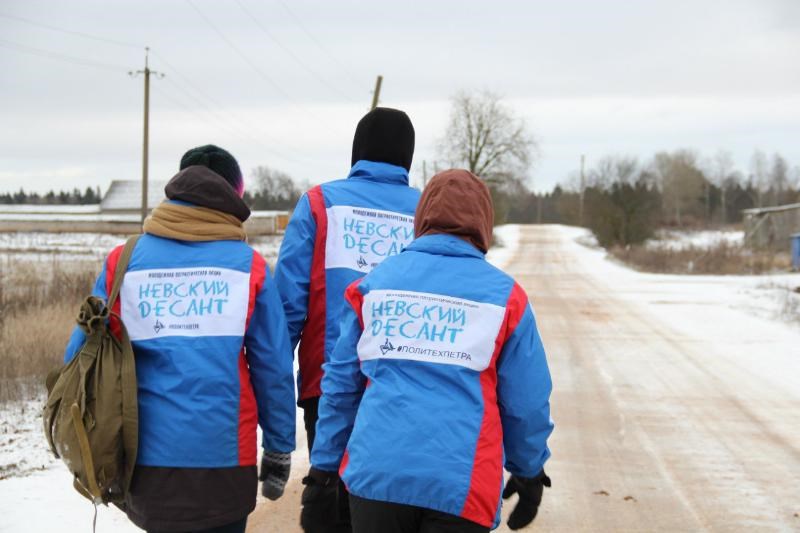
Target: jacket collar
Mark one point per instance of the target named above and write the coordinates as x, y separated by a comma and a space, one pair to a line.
203, 187
380, 172
444, 244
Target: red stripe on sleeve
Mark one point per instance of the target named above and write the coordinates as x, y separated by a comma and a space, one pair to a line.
345, 461
480, 505
312, 343
248, 409
111, 267
356, 300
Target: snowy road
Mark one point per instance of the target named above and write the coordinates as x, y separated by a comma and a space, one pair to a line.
676, 401
676, 407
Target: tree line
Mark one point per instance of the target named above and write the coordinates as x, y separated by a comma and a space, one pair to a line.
74, 197
625, 200
621, 199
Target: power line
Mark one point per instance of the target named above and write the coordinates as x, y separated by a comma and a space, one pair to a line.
84, 62
252, 65
241, 54
71, 32
206, 101
322, 47
214, 121
18, 47
229, 123
289, 51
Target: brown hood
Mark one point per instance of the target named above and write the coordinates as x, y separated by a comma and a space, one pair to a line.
456, 202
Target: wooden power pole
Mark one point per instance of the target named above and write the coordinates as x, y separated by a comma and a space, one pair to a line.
583, 189
377, 94
145, 141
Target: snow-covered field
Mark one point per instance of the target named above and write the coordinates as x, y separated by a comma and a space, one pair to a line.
35, 489
23, 246
681, 240
769, 296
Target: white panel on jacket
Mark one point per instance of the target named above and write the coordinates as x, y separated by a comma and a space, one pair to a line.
429, 327
360, 238
184, 302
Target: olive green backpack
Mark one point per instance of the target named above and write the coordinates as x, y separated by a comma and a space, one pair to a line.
91, 417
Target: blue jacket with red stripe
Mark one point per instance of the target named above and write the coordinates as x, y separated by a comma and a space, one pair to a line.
338, 232
439, 379
212, 352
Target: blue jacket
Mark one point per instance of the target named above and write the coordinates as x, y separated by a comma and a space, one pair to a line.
338, 232
439, 379
212, 352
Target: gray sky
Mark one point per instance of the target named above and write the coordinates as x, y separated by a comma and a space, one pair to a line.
283, 82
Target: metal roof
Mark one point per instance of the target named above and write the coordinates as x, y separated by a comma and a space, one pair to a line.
773, 209
126, 195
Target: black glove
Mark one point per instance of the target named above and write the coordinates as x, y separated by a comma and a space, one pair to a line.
530, 491
320, 508
275, 468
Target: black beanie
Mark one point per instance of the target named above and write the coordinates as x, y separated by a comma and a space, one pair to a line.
384, 135
218, 160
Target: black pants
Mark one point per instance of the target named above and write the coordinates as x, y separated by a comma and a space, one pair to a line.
234, 527
369, 516
310, 414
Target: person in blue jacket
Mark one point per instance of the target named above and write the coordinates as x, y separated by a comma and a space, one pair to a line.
338, 232
438, 381
213, 356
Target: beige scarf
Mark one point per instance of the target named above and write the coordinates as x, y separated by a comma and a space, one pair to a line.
186, 223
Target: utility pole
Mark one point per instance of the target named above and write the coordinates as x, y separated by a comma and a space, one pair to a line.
539, 208
376, 95
145, 140
424, 174
583, 189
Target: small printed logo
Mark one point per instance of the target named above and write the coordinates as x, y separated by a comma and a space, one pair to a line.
158, 326
386, 347
361, 262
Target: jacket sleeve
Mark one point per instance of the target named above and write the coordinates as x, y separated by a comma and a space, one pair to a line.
343, 385
77, 338
293, 270
523, 387
270, 357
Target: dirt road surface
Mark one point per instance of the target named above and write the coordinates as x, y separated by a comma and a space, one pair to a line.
656, 429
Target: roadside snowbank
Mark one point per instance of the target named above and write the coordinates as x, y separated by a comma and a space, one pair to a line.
506, 244
769, 297
681, 240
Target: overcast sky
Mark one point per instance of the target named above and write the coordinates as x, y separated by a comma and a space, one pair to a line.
283, 82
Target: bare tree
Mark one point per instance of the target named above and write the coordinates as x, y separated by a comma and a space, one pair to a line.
681, 181
485, 137
613, 169
721, 171
273, 189
779, 179
759, 174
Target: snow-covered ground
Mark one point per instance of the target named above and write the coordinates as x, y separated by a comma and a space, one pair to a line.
19, 209
681, 240
773, 297
36, 493
29, 246
506, 240
66, 246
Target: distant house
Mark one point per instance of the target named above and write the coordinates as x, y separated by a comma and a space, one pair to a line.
125, 196
771, 227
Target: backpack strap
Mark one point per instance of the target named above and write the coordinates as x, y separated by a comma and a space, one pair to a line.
119, 272
130, 408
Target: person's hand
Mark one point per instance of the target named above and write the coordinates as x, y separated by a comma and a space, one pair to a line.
275, 468
319, 502
530, 491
